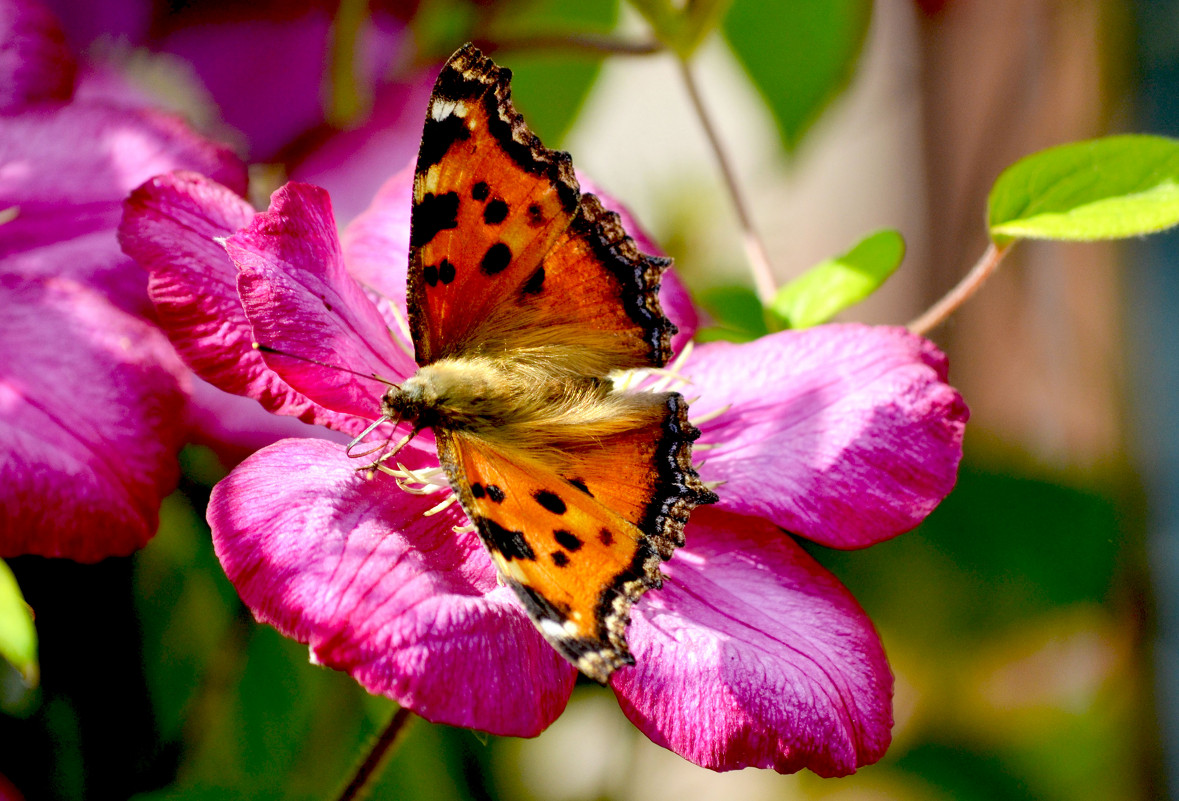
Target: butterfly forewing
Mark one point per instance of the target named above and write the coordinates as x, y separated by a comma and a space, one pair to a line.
505, 252
489, 202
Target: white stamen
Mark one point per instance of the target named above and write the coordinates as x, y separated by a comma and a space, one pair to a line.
438, 507
708, 417
656, 379
403, 341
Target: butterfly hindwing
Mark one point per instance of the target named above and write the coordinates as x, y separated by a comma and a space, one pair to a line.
503, 244
579, 543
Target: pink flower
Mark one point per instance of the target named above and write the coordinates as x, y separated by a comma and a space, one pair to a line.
751, 654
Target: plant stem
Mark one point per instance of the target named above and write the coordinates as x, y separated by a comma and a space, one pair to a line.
759, 260
983, 269
584, 43
376, 758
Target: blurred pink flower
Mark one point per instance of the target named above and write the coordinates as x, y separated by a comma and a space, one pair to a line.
751, 654
280, 114
94, 397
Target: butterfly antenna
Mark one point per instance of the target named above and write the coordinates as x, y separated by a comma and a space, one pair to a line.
360, 437
258, 346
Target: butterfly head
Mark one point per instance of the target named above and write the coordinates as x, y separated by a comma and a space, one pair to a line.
462, 394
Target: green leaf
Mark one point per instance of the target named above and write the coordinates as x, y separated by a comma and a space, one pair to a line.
1109, 188
18, 635
831, 286
736, 312
799, 54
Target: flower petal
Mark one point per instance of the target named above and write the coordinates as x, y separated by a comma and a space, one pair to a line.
376, 243
400, 601
844, 434
170, 226
92, 417
67, 169
35, 63
754, 655
234, 426
301, 300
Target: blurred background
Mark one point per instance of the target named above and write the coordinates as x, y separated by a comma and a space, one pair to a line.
1032, 622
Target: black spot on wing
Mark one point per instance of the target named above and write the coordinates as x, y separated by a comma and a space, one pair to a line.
446, 272
477, 490
560, 558
535, 216
606, 536
496, 259
567, 540
535, 284
430, 274
551, 501
437, 137
509, 544
495, 493
433, 214
577, 482
480, 191
495, 212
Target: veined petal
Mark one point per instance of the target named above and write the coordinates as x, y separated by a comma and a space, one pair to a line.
844, 434
376, 247
35, 63
171, 226
399, 601
753, 655
301, 300
91, 418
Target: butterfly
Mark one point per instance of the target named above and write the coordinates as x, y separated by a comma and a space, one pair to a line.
524, 296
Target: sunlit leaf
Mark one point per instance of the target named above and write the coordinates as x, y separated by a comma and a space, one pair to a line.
18, 635
799, 54
1109, 188
835, 284
737, 315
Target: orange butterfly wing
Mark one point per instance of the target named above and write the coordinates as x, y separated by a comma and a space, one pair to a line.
503, 242
579, 548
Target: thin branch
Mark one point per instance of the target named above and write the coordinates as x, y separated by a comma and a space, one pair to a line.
755, 251
377, 756
585, 43
965, 289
